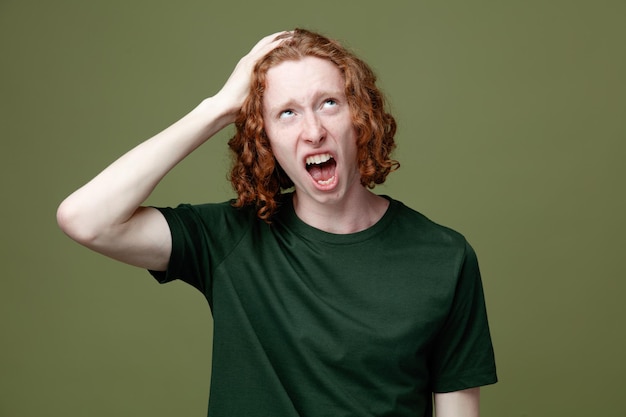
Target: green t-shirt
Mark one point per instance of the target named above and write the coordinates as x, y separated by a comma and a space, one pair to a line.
309, 323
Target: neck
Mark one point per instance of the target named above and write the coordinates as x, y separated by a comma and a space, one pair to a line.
349, 215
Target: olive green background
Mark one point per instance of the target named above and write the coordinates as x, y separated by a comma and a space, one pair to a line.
511, 130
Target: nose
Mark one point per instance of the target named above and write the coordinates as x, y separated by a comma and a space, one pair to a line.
313, 130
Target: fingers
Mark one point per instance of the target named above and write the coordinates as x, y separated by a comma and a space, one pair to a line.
236, 89
262, 48
269, 42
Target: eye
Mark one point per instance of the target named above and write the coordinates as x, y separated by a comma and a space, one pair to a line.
329, 103
286, 113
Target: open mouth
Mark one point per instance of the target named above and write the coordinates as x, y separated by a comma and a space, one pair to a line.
321, 168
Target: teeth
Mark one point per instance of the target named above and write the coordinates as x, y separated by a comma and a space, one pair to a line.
328, 181
318, 159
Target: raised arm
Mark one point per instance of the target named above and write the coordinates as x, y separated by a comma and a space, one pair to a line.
106, 215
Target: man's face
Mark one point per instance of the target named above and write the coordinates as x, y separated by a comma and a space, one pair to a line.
308, 122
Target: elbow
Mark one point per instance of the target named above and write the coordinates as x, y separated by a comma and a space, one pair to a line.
72, 221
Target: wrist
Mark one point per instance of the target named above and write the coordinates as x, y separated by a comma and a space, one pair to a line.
217, 111
223, 106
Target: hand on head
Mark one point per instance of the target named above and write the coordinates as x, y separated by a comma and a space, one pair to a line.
236, 88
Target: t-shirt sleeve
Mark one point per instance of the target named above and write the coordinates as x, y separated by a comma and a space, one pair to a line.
202, 236
463, 356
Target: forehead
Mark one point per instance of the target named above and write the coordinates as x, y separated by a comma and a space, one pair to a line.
302, 80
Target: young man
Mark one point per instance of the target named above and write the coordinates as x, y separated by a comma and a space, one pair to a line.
328, 300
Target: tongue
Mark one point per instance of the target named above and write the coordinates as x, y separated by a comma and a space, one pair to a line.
323, 172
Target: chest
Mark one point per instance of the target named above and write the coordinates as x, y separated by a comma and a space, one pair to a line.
346, 304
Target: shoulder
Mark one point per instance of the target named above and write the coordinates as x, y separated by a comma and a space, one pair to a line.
420, 227
214, 218
208, 211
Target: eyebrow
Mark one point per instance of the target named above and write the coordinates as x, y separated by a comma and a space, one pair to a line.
294, 103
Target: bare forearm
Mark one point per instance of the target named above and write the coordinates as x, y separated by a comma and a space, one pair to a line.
106, 214
114, 195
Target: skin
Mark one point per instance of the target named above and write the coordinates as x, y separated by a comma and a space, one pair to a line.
305, 113
107, 216
464, 403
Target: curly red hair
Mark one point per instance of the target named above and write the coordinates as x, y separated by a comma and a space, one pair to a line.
256, 176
